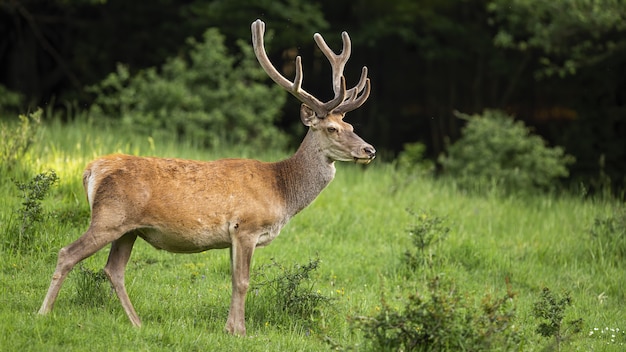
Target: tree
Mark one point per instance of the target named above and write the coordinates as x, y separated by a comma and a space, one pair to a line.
567, 34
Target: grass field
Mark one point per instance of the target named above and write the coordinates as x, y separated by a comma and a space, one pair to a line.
357, 228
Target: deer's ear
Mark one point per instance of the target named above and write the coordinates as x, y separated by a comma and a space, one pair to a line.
307, 115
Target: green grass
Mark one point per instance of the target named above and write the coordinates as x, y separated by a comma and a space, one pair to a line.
357, 228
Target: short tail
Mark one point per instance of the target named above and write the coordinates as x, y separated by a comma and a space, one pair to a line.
88, 186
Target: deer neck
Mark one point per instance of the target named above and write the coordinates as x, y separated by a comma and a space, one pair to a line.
303, 176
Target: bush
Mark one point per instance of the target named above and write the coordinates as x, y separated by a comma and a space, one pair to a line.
22, 236
412, 159
285, 296
91, 288
442, 319
608, 238
210, 96
290, 289
428, 230
497, 150
16, 140
549, 309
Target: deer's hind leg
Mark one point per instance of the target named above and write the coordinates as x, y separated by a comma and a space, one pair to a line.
114, 269
86, 245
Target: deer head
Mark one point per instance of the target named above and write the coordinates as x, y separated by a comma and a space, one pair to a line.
335, 136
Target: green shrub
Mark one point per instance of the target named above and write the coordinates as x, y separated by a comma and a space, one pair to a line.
412, 158
289, 291
497, 150
209, 96
608, 238
17, 139
549, 309
442, 319
92, 288
21, 235
426, 231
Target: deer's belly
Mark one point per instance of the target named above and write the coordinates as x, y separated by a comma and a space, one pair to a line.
185, 243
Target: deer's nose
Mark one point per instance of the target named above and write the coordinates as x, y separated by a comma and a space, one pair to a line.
369, 151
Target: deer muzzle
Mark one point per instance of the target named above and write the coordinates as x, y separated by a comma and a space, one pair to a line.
365, 155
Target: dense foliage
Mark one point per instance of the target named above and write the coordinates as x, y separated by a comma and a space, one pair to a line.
494, 149
550, 309
569, 34
210, 96
17, 138
23, 232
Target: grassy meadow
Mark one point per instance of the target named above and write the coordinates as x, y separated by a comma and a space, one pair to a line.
358, 228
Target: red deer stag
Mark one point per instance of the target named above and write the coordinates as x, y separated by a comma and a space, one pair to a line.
189, 206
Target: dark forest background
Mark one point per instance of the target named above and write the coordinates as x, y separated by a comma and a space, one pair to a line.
559, 65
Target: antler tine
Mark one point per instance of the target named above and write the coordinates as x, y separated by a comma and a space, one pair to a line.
295, 87
359, 86
354, 103
353, 99
337, 62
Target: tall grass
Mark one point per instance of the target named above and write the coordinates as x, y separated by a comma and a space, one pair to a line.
358, 228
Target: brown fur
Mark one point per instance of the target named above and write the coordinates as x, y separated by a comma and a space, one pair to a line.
188, 206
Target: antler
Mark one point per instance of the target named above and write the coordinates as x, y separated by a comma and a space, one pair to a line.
344, 100
353, 100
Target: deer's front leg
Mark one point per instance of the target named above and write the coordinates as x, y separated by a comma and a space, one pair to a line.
241, 252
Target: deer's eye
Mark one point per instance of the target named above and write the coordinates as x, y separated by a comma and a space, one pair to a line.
331, 130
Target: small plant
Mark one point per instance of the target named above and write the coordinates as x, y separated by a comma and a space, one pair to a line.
497, 150
411, 164
22, 235
608, 238
427, 231
17, 140
495, 321
442, 319
411, 158
550, 310
290, 289
91, 287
